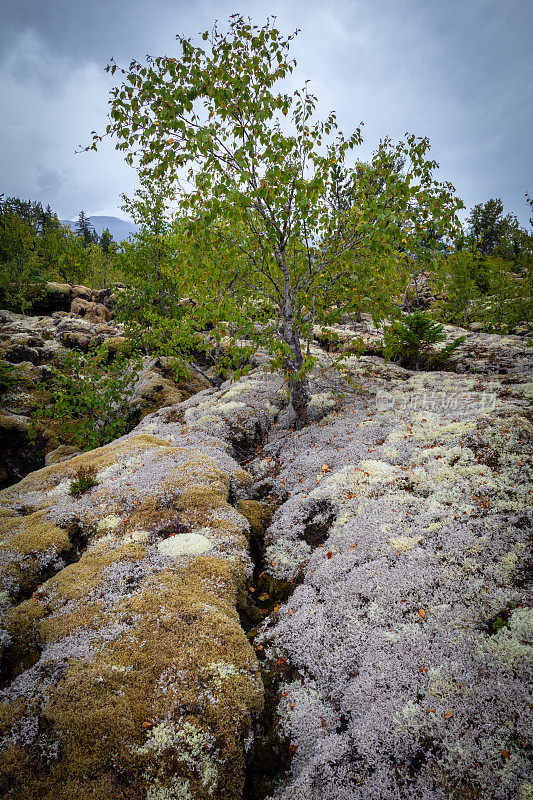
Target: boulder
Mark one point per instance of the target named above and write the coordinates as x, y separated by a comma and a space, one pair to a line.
92, 312
156, 386
82, 292
117, 344
75, 339
105, 329
57, 297
107, 298
62, 453
20, 451
24, 338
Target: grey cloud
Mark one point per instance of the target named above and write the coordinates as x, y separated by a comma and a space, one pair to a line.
30, 61
458, 72
50, 182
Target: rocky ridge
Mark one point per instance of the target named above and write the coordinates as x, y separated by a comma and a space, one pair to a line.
393, 626
120, 611
408, 641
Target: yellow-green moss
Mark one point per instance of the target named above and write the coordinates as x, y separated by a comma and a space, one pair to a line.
22, 624
24, 542
259, 515
151, 654
36, 534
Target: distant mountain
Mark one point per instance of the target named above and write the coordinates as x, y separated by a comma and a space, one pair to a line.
118, 228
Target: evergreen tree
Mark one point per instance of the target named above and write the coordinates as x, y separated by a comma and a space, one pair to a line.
494, 234
48, 221
85, 230
106, 240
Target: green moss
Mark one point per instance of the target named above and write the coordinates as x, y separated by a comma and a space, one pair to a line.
22, 624
164, 654
259, 515
25, 541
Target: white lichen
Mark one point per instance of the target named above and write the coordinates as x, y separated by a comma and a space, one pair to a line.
191, 544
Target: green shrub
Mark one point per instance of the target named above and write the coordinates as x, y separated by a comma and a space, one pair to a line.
411, 341
484, 289
85, 479
21, 274
90, 396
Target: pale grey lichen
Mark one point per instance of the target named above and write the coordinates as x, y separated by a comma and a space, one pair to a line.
404, 689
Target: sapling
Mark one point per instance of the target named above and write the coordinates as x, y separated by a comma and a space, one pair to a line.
411, 340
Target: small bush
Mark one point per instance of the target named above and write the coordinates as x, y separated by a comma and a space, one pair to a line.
90, 397
85, 480
411, 341
484, 289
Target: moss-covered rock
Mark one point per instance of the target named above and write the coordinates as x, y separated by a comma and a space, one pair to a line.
128, 674
31, 346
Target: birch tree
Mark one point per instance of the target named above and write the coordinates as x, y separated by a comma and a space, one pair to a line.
249, 160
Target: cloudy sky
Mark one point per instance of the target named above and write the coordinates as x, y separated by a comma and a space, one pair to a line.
457, 71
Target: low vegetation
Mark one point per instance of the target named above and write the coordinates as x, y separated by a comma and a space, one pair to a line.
89, 396
85, 479
412, 338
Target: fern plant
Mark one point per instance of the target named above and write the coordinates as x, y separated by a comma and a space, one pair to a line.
411, 339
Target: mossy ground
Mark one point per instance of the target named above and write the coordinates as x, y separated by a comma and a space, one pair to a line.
135, 678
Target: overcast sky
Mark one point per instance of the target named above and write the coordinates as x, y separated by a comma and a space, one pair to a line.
457, 71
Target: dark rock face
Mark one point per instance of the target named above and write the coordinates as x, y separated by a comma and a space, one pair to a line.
95, 304
57, 297
19, 454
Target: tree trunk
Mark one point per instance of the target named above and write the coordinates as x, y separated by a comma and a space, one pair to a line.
299, 400
299, 387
